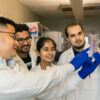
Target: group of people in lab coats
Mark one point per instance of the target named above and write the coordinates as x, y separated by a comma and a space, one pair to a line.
47, 80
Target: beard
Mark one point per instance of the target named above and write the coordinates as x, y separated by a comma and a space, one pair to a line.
26, 48
79, 47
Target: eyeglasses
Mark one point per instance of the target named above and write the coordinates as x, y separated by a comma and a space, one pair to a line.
22, 40
10, 33
7, 32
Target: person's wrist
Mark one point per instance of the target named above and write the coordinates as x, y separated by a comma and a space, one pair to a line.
75, 65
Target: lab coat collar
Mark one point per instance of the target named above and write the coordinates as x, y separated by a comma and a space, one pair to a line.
48, 67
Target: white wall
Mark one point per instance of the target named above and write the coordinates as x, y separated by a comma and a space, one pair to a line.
15, 10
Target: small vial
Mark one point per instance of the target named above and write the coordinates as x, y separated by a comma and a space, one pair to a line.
92, 39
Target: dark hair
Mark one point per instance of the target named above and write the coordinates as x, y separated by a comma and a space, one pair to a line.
6, 21
40, 44
22, 27
71, 25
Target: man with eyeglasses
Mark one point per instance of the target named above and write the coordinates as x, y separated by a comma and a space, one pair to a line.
24, 39
11, 28
8, 30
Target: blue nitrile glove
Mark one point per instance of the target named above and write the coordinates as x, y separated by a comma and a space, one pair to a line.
96, 56
87, 69
80, 58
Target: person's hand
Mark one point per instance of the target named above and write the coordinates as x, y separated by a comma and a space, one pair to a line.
80, 59
87, 69
96, 56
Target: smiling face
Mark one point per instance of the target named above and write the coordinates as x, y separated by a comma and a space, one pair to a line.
46, 48
24, 42
47, 52
76, 37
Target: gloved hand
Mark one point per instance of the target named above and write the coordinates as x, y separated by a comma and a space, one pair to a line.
87, 69
80, 58
96, 55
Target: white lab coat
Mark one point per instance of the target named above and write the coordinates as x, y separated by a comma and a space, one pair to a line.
60, 90
90, 88
21, 85
21, 65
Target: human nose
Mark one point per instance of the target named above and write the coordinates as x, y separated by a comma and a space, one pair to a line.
77, 37
25, 41
50, 52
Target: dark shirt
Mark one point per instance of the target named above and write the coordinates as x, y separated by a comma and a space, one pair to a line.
28, 62
57, 56
75, 52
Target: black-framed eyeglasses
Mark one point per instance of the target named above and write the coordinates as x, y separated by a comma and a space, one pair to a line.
7, 32
22, 40
12, 34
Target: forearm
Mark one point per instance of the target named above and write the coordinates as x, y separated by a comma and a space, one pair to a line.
62, 89
38, 80
59, 74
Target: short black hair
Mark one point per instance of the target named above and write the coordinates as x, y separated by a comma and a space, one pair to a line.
71, 25
22, 27
7, 21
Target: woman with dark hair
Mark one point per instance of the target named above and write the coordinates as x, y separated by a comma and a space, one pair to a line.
44, 45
